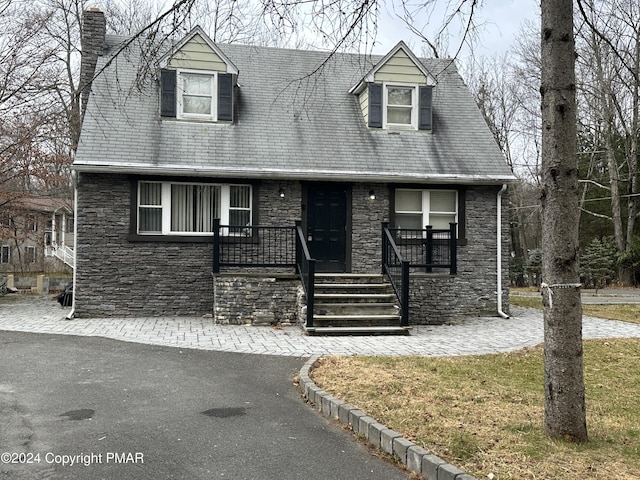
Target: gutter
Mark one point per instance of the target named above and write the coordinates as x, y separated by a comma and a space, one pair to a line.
499, 249
284, 174
72, 313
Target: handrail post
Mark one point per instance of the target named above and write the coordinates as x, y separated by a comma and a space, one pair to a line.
429, 252
298, 244
404, 319
216, 245
310, 292
453, 243
385, 253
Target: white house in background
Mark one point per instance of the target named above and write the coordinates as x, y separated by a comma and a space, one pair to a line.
37, 235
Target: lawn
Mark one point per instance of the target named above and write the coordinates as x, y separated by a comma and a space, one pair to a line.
626, 313
484, 414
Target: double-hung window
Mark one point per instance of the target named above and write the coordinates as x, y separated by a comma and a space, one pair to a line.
166, 208
31, 254
400, 106
415, 209
196, 94
5, 254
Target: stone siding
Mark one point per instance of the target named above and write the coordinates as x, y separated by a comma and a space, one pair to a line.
117, 277
367, 216
437, 299
120, 276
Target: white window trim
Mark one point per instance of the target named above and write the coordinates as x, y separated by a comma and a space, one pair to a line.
414, 106
426, 204
180, 114
225, 207
31, 254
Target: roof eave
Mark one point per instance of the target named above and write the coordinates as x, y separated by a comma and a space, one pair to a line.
338, 176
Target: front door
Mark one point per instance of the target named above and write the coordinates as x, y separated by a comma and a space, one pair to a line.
327, 226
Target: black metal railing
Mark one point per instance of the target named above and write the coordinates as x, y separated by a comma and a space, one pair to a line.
306, 269
396, 268
428, 248
253, 246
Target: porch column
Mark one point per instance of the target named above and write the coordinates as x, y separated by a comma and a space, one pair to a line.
53, 230
64, 228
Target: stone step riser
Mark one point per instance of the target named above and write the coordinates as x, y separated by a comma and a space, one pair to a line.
345, 322
358, 309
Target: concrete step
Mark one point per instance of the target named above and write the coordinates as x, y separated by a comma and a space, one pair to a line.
361, 308
353, 296
353, 320
349, 278
382, 330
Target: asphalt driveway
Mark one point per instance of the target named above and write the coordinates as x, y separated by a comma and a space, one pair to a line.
124, 410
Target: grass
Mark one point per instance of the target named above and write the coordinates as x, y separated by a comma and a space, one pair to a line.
484, 414
625, 313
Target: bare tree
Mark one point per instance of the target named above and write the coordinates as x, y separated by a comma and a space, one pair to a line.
565, 410
610, 66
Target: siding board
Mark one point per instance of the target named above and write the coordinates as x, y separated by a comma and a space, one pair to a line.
197, 54
364, 105
400, 68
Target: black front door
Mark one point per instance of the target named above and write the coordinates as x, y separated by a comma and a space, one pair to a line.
327, 226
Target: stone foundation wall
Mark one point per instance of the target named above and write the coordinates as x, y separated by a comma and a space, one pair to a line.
258, 300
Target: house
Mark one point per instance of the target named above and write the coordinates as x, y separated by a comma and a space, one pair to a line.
36, 235
248, 183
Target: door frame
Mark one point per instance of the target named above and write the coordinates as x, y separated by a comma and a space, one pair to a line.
348, 187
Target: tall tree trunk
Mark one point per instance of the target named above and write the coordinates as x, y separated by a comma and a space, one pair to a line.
565, 411
634, 167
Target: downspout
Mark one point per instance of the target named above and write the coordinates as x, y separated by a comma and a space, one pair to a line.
72, 313
499, 249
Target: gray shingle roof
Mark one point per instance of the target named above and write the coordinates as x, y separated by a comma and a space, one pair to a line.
289, 124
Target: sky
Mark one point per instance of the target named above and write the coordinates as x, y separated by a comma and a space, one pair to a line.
501, 20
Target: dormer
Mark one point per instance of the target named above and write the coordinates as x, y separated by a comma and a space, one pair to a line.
197, 81
396, 94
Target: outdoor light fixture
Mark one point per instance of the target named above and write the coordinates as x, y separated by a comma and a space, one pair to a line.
372, 195
281, 193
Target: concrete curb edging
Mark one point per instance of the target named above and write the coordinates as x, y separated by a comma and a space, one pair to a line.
414, 457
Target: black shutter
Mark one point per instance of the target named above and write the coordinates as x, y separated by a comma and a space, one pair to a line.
168, 93
425, 119
225, 96
375, 105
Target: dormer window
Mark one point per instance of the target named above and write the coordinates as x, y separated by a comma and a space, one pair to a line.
196, 94
397, 93
400, 106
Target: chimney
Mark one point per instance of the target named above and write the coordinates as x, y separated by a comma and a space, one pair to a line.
94, 27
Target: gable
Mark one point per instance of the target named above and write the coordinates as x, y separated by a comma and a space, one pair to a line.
197, 54
400, 68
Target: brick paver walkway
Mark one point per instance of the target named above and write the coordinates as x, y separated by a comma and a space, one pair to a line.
472, 336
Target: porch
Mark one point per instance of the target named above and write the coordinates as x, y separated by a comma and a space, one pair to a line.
261, 260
